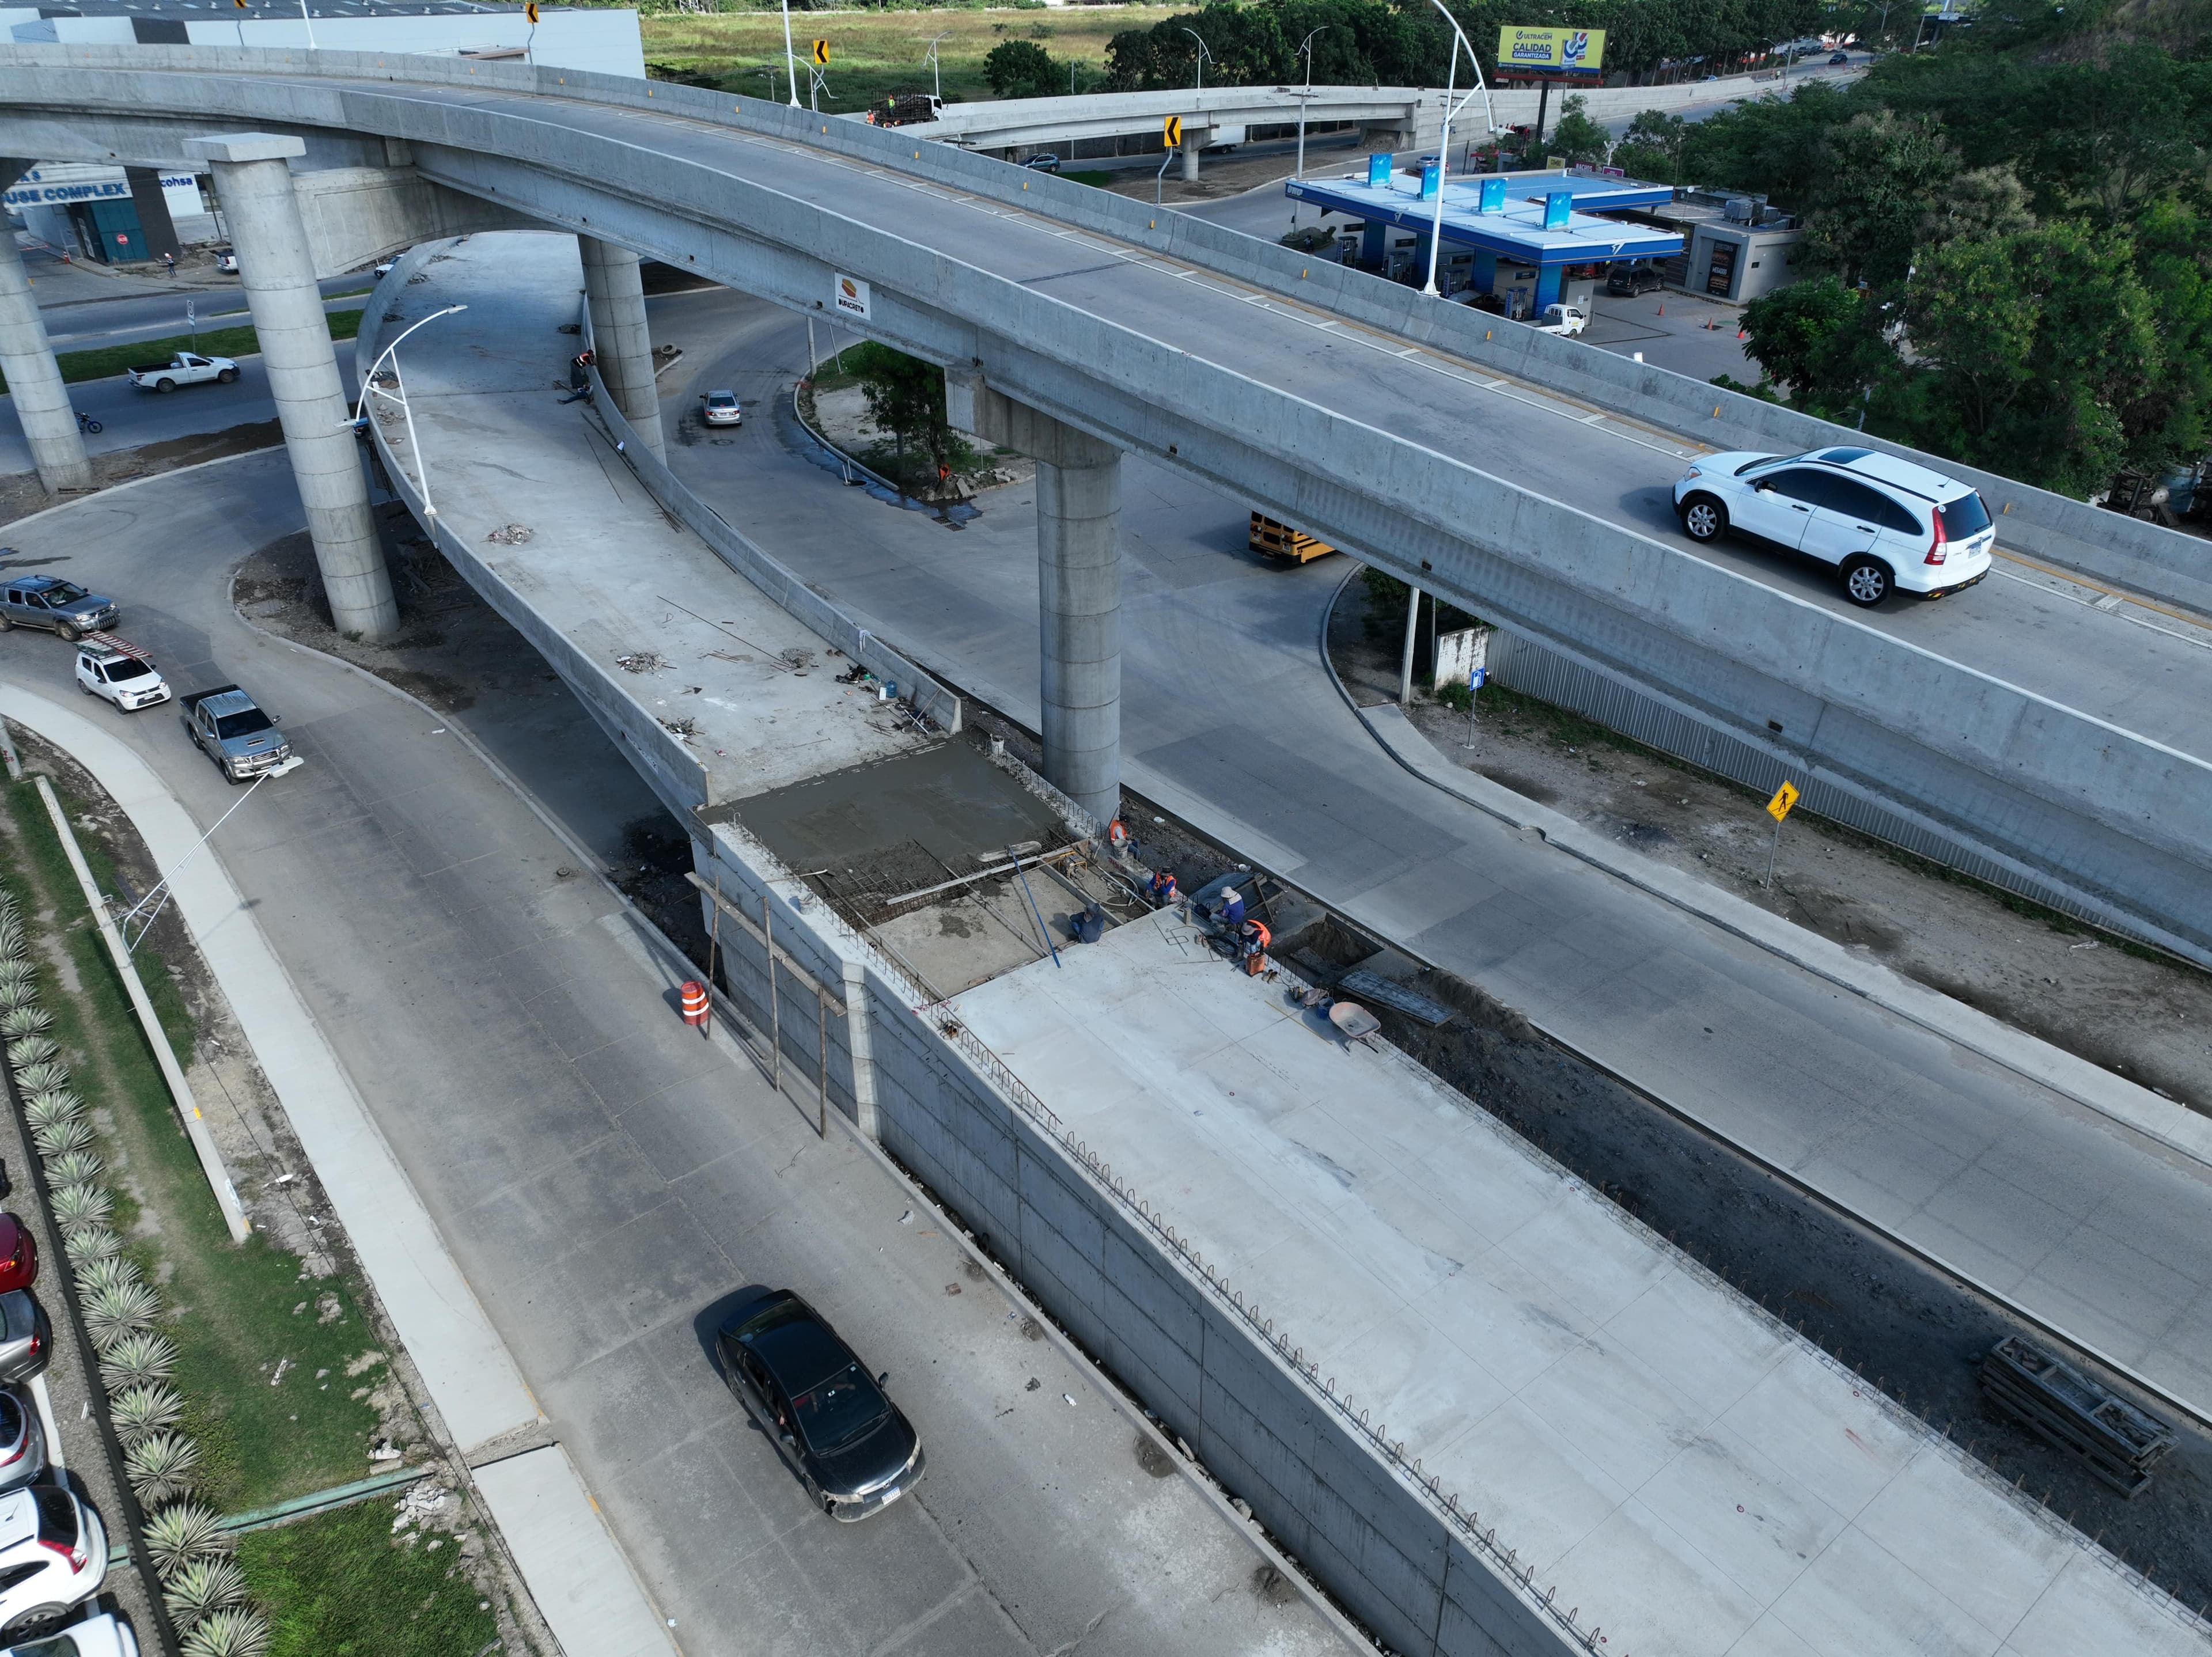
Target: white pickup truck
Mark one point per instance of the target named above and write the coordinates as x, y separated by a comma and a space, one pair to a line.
1567, 319
185, 368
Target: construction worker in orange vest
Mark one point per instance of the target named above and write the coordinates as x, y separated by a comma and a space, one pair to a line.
1256, 939
1163, 888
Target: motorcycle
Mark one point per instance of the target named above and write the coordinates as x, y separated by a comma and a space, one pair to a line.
85, 422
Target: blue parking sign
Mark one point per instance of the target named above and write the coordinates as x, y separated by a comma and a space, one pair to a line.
1475, 678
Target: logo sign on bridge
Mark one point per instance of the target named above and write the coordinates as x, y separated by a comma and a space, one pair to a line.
1552, 52
849, 296
822, 51
1784, 798
1171, 130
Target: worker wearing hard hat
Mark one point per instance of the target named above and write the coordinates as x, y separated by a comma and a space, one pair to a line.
1231, 912
1163, 889
1256, 939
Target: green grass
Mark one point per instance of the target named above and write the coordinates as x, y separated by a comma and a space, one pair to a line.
103, 360
875, 53
236, 1311
339, 1586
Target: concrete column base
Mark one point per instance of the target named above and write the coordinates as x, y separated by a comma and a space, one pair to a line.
34, 378
1192, 143
278, 270
621, 337
1078, 587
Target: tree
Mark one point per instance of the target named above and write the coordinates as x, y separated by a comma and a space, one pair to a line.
1803, 335
906, 397
1882, 171
1022, 69
1652, 148
1578, 137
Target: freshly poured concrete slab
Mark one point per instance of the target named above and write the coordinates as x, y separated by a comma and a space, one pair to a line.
603, 571
1694, 1476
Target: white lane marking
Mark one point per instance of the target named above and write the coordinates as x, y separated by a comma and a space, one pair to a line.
2107, 604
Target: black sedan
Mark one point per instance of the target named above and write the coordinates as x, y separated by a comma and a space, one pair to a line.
843, 1437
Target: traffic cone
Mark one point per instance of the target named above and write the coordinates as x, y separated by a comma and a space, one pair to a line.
696, 1008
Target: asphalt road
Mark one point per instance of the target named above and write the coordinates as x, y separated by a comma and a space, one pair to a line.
606, 1179
1229, 718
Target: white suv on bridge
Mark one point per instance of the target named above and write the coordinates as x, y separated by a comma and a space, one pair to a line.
1883, 524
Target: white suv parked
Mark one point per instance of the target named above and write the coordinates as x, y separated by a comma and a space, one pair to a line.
103, 1635
1884, 524
53, 1555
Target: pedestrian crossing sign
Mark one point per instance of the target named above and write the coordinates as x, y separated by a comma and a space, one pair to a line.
1784, 798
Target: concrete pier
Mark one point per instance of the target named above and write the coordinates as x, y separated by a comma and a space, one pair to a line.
1078, 586
278, 272
620, 336
35, 379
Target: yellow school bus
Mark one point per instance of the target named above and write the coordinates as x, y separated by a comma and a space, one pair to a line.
1273, 540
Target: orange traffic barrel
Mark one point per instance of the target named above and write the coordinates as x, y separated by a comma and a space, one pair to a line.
695, 1002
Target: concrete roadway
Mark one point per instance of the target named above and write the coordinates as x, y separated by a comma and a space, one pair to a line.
1229, 718
605, 1179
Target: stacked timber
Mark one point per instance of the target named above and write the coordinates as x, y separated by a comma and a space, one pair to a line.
2061, 1405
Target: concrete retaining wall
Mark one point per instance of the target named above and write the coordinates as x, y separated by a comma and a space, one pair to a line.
1423, 1579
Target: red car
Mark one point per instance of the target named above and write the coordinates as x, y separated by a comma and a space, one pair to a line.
19, 1255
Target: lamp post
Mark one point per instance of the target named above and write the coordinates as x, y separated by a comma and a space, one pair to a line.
936, 79
1443, 139
769, 70
790, 57
815, 87
369, 388
1306, 46
1203, 58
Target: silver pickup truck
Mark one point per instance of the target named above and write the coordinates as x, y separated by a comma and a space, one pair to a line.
226, 724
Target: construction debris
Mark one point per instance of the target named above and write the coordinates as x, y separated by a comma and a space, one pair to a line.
642, 661
513, 535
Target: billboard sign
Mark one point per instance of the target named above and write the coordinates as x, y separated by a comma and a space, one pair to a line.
1552, 52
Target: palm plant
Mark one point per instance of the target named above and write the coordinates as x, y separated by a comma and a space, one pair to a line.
183, 1532
74, 1168
60, 1139
26, 1051
11, 935
205, 1586
53, 1105
142, 1411
95, 1242
26, 1019
161, 1467
240, 1631
135, 1360
40, 1078
17, 975
76, 1206
112, 1314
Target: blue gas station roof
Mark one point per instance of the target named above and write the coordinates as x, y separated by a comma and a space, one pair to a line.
1516, 230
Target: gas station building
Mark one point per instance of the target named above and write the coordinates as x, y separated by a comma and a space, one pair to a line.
1530, 239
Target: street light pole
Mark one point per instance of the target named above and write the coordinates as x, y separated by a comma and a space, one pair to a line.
790, 57
369, 388
936, 77
1443, 139
1306, 46
1203, 58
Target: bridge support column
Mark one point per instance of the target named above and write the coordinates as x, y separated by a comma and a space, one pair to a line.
278, 272
620, 337
35, 379
1194, 140
1078, 587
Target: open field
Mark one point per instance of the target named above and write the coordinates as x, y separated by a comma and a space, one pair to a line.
874, 53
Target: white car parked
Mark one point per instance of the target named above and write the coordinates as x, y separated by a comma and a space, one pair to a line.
721, 409
103, 1636
53, 1555
1884, 524
116, 672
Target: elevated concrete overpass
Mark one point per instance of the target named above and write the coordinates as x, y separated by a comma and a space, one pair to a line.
1074, 315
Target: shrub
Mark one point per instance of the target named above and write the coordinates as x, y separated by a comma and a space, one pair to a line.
111, 1315
240, 1632
74, 1168
112, 1271
161, 1467
137, 1359
95, 1242
76, 1206
204, 1587
26, 1019
182, 1532
60, 1139
42, 1077
54, 1105
26, 1051
142, 1411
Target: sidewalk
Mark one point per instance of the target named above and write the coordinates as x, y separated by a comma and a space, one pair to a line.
578, 1578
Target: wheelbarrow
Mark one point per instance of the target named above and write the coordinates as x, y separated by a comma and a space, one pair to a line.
1355, 1023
